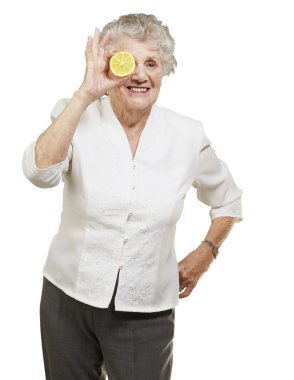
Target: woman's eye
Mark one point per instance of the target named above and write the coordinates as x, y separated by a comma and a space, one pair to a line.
151, 64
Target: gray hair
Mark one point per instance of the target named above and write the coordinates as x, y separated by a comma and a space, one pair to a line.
142, 26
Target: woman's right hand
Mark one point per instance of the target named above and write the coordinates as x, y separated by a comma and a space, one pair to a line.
98, 80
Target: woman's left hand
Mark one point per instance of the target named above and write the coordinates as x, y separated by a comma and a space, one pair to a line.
192, 267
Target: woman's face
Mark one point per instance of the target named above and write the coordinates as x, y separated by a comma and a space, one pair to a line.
147, 76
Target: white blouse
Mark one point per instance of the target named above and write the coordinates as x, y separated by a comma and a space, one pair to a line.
121, 213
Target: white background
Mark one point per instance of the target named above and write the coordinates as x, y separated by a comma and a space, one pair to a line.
235, 74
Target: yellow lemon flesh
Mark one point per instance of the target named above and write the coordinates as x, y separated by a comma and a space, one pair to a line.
122, 64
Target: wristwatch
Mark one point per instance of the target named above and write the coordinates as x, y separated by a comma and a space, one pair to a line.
212, 246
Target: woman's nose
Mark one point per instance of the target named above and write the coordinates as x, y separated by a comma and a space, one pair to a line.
140, 73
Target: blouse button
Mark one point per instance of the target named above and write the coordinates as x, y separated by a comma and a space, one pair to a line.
125, 240
134, 166
133, 187
130, 214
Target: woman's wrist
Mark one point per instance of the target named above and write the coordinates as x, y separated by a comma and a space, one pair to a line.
204, 250
83, 97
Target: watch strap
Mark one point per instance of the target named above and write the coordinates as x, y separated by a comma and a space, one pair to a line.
213, 247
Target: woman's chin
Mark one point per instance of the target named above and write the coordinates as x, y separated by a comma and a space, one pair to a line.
140, 102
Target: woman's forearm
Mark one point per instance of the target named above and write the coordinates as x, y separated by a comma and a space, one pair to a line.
219, 229
53, 144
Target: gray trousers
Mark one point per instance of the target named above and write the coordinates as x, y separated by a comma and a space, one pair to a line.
83, 342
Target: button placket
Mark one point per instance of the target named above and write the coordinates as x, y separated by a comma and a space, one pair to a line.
129, 215
133, 188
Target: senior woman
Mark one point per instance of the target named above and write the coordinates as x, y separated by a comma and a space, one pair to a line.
111, 280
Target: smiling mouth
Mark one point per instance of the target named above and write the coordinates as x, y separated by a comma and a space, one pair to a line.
138, 90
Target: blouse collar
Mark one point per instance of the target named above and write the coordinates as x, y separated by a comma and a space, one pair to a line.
117, 134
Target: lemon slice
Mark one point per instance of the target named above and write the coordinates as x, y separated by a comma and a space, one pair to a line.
122, 64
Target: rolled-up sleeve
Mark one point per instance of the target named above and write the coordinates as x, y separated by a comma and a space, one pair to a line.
215, 184
50, 176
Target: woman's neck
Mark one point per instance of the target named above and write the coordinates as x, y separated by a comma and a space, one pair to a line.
130, 118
